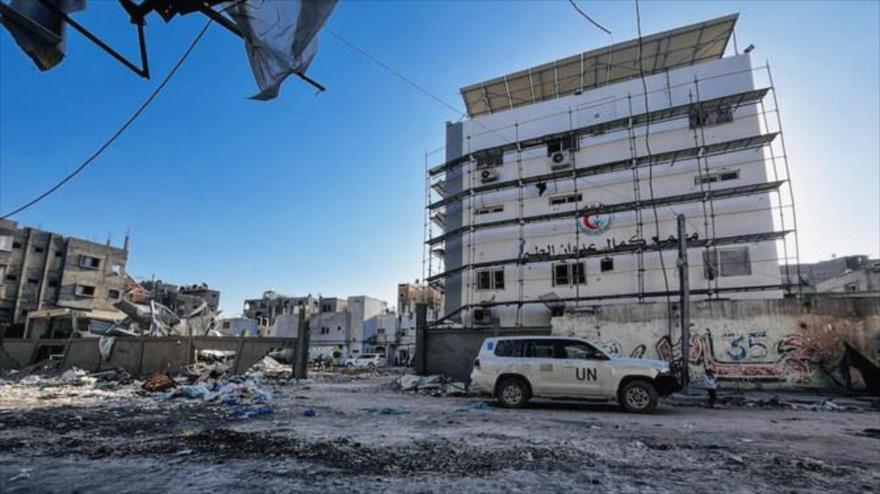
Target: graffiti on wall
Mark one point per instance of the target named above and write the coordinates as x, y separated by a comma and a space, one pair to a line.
746, 357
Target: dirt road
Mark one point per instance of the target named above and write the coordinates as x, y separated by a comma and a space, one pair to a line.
366, 437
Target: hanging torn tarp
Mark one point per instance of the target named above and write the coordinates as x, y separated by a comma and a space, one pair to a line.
39, 30
281, 37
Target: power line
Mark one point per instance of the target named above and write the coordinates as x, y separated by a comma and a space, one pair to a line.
587, 17
119, 132
648, 151
397, 74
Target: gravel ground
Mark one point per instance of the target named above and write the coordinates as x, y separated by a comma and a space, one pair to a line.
365, 436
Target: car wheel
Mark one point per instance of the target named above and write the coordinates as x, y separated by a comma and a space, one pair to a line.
638, 397
513, 392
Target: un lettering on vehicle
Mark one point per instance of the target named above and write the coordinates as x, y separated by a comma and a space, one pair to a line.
584, 374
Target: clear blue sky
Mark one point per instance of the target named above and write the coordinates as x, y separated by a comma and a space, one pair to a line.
323, 194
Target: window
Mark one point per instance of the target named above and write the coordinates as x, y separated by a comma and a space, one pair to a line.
6, 242
326, 308
726, 262
539, 348
33, 281
113, 294
38, 249
851, 287
16, 244
489, 159
569, 198
716, 177
569, 274
606, 264
11, 277
490, 209
89, 262
380, 331
580, 351
338, 328
564, 144
490, 279
84, 291
227, 324
325, 330
510, 348
709, 117
53, 283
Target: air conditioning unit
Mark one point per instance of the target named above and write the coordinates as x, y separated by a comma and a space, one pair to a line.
483, 317
487, 176
560, 160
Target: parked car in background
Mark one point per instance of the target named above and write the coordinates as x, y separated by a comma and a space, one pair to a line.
516, 369
366, 360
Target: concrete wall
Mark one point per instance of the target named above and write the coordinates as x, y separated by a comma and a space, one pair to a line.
451, 352
749, 343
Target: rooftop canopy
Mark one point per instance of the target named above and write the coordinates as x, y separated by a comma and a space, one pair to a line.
686, 45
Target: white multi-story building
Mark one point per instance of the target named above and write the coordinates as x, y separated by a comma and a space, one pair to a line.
563, 186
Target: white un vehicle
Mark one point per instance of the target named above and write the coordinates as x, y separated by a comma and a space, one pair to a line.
515, 369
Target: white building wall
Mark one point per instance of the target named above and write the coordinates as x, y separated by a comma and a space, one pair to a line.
749, 214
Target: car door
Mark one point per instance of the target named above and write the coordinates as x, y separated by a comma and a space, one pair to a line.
584, 370
542, 367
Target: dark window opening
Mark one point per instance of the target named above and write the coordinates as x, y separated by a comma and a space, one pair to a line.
606, 264
85, 291
489, 159
565, 199
726, 262
716, 177
10, 277
569, 274
490, 279
33, 281
89, 262
113, 294
39, 250
715, 116
563, 144
16, 245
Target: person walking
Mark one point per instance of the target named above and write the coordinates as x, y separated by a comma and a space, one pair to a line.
711, 386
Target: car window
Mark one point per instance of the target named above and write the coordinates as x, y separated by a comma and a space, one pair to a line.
510, 348
579, 350
540, 348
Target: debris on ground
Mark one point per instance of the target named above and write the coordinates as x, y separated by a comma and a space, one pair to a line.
479, 406
781, 400
434, 385
158, 382
386, 410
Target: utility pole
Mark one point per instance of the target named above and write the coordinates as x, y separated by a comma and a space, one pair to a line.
685, 301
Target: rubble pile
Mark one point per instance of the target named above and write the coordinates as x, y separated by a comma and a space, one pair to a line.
434, 385
247, 395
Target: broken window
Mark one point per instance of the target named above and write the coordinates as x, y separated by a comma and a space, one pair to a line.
84, 291
490, 279
33, 281
16, 245
113, 294
708, 117
89, 262
716, 177
569, 274
568, 198
606, 264
11, 277
726, 262
490, 209
227, 324
53, 283
562, 144
326, 308
490, 158
38, 249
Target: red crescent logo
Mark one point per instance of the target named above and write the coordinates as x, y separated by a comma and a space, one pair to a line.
589, 223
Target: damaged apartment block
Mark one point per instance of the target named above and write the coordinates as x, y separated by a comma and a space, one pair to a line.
44, 270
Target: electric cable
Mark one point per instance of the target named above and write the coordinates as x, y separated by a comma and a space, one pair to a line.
76, 171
